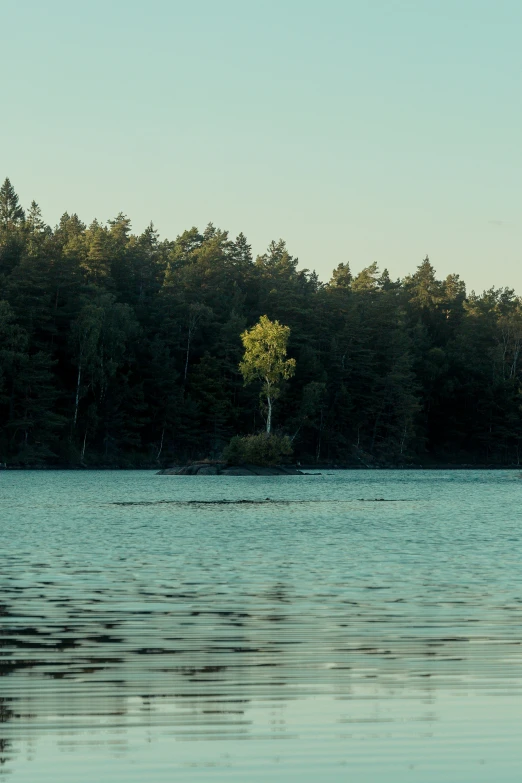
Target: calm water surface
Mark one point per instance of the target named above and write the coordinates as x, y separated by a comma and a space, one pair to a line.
350, 626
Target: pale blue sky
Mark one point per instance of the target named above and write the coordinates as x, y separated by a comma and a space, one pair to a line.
357, 131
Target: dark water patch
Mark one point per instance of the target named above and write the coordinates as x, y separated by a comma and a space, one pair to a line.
243, 502
103, 639
25, 645
384, 500
8, 667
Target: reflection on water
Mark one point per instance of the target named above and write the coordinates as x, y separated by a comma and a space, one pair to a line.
375, 637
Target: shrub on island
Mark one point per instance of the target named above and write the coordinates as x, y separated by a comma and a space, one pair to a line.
263, 449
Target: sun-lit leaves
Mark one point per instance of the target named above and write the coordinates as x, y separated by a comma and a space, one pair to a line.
265, 360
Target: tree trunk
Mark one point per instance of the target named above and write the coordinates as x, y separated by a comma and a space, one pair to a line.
187, 358
269, 417
77, 401
403, 439
318, 450
158, 455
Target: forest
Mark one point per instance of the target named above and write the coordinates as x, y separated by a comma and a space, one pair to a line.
123, 350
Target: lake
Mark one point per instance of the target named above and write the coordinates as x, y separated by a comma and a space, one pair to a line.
350, 626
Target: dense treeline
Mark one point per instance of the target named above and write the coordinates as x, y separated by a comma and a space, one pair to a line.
123, 349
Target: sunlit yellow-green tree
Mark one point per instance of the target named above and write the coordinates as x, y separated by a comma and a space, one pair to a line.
265, 360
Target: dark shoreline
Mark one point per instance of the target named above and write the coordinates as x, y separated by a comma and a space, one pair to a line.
294, 470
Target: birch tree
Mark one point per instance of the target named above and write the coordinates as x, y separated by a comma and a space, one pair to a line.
265, 360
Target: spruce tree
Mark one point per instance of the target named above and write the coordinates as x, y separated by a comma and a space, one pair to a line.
11, 213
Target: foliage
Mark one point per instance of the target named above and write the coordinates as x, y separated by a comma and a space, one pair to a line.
262, 449
122, 348
265, 359
11, 213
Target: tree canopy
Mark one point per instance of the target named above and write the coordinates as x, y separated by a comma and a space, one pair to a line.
265, 360
122, 348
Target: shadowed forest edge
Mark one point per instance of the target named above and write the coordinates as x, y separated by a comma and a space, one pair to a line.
123, 350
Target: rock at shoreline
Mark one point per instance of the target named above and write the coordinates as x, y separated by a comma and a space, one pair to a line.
222, 469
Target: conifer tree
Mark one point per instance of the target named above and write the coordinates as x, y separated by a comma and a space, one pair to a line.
11, 213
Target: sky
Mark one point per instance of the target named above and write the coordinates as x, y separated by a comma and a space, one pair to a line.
376, 130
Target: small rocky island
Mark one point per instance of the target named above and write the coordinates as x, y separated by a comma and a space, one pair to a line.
222, 469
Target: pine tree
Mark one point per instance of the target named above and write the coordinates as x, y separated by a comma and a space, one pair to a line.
11, 213
341, 277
